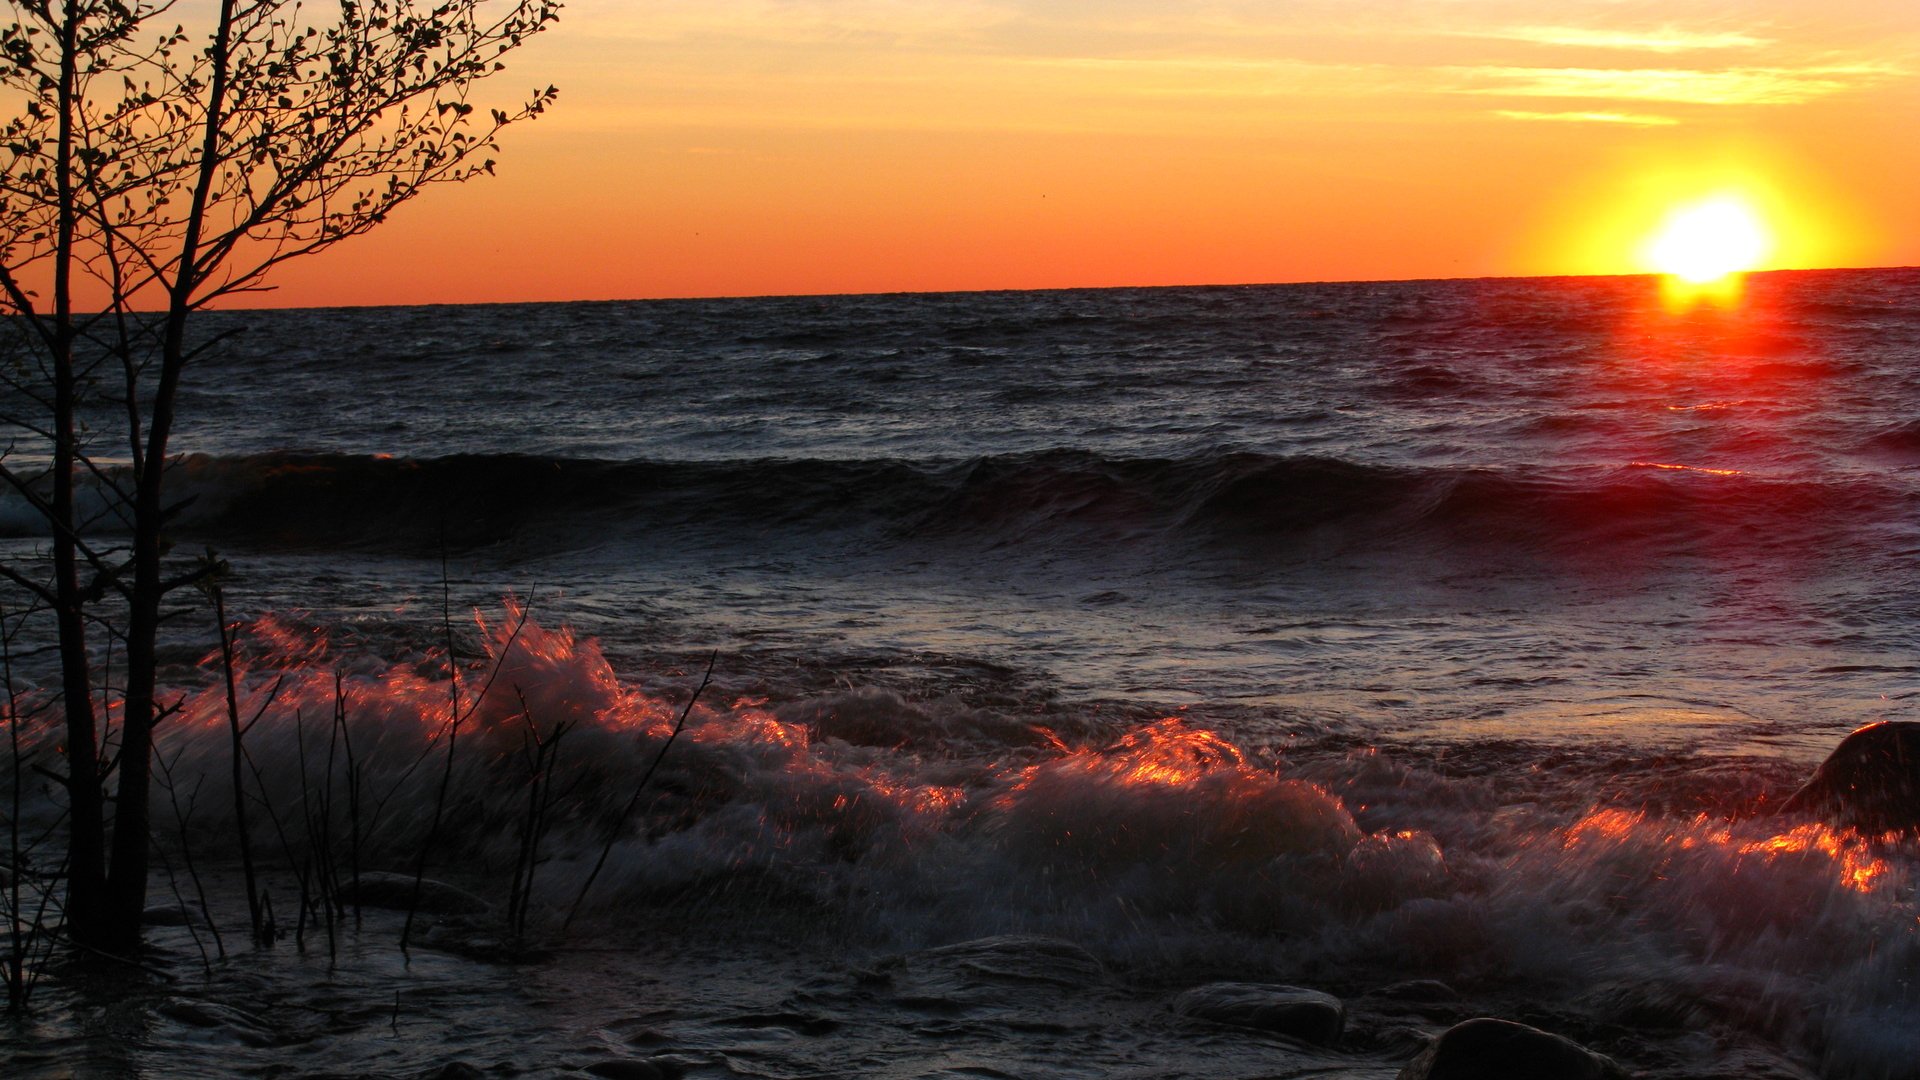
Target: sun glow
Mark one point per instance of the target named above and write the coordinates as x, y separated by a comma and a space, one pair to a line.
1706, 241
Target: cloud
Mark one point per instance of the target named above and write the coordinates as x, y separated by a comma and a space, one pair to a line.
1728, 86
1208, 76
1640, 119
1663, 40
804, 22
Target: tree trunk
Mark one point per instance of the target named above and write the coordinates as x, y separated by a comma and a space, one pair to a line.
86, 837
127, 883
87, 917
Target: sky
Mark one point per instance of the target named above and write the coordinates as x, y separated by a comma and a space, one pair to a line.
753, 147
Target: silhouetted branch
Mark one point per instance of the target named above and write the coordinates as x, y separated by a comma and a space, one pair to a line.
620, 824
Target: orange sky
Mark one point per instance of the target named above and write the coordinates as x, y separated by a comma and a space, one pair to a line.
723, 147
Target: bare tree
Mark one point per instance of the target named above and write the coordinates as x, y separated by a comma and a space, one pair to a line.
150, 172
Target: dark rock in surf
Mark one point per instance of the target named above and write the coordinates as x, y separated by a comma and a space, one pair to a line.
384, 890
1023, 958
1871, 781
1489, 1049
1308, 1015
1419, 991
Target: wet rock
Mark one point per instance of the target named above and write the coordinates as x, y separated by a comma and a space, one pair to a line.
1419, 991
1023, 958
1003, 975
383, 890
454, 1070
1308, 1015
1871, 781
1489, 1049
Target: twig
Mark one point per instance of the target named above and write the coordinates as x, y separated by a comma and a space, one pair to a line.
329, 880
453, 731
613, 835
237, 734
182, 820
353, 789
20, 939
173, 885
453, 737
545, 757
280, 830
306, 819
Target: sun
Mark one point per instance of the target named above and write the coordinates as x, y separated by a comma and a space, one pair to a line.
1705, 241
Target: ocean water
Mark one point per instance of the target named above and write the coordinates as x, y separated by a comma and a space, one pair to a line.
1345, 636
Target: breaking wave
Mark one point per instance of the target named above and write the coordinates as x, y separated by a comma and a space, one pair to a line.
1232, 499
920, 821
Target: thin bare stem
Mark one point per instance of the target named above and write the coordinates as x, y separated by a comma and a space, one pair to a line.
183, 821
620, 824
236, 735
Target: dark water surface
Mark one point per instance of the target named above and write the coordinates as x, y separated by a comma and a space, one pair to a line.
1327, 634
1551, 510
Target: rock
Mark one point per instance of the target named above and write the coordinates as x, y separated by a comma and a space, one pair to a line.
1489, 1049
1871, 781
1023, 958
384, 890
995, 974
1308, 1015
1419, 991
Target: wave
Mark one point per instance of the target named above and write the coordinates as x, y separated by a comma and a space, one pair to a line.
1062, 498
934, 819
1900, 441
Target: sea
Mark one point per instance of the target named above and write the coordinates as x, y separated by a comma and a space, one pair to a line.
946, 684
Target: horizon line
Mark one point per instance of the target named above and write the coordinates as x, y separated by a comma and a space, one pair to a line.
700, 297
